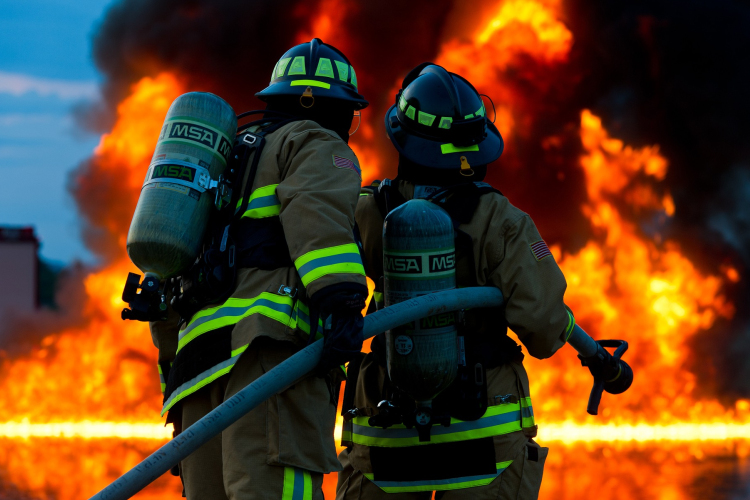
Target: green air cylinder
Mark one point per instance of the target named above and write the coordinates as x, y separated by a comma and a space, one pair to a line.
169, 224
419, 258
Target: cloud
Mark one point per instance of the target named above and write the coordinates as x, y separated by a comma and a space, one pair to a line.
18, 84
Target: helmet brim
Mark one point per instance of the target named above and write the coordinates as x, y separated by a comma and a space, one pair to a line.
285, 89
435, 154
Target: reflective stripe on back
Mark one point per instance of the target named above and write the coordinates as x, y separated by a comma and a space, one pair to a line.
455, 483
497, 420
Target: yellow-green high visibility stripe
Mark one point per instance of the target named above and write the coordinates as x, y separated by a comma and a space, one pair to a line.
342, 259
377, 297
571, 325
281, 66
301, 320
271, 305
450, 148
454, 483
343, 69
445, 122
354, 76
410, 112
402, 103
262, 203
297, 484
497, 420
325, 68
201, 380
425, 118
527, 413
480, 112
161, 379
298, 66
310, 83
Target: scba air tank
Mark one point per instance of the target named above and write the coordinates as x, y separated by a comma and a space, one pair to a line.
419, 258
170, 220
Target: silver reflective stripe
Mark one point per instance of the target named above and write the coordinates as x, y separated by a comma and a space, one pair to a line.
482, 423
264, 201
527, 412
201, 182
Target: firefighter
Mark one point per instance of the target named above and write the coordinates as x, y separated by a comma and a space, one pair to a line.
300, 276
445, 143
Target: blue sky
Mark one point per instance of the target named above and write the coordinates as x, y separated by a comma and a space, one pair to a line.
45, 70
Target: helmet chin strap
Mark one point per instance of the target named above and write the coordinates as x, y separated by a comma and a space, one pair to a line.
358, 114
494, 111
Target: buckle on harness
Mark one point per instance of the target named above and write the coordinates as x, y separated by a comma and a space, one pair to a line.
287, 291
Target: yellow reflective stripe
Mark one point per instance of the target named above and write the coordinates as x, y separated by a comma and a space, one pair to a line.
480, 112
276, 307
301, 320
497, 420
325, 68
354, 76
439, 484
262, 203
288, 491
343, 69
298, 66
309, 83
297, 484
365, 194
425, 118
402, 102
445, 122
450, 148
527, 413
571, 325
198, 382
410, 112
162, 382
377, 296
341, 259
281, 66
240, 350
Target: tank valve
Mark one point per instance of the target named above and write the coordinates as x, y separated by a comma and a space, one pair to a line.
148, 305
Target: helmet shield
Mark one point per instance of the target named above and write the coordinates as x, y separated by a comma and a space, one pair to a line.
439, 118
314, 69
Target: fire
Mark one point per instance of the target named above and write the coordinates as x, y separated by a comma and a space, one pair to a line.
91, 383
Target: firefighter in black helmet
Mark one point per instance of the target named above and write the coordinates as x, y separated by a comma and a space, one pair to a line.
300, 278
445, 143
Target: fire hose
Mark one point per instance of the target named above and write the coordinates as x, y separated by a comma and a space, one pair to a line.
300, 364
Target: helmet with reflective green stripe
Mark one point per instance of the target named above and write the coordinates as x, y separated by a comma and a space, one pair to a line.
319, 67
439, 121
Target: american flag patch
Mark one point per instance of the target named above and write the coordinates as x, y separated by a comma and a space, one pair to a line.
341, 162
540, 250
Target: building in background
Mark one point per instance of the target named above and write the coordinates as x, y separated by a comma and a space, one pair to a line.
19, 269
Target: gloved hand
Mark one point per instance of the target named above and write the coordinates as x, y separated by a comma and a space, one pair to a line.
615, 373
341, 313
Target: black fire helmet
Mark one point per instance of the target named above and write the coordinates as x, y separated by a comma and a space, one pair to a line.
439, 121
314, 69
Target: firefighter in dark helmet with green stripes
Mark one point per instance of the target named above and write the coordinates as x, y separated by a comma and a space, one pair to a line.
300, 278
445, 143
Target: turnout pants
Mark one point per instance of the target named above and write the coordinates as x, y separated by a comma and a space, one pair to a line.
278, 451
520, 481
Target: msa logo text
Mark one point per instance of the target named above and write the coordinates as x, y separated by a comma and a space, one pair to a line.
407, 265
174, 172
196, 133
442, 262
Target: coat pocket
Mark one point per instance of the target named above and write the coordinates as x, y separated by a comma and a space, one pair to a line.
523, 479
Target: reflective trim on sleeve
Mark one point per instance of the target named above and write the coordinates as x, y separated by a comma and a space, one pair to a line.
454, 483
297, 484
263, 203
271, 305
161, 379
301, 320
342, 259
497, 420
450, 148
571, 325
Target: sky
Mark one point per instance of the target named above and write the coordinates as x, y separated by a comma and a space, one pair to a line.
46, 71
